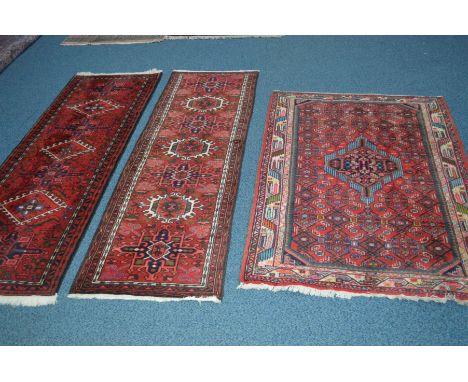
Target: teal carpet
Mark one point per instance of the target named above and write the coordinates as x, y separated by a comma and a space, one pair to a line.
390, 65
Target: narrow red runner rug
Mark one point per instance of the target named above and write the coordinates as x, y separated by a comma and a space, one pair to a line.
165, 233
360, 195
53, 179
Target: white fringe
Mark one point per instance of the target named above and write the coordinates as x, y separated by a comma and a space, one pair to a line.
341, 294
28, 300
151, 71
216, 71
112, 42
215, 37
84, 296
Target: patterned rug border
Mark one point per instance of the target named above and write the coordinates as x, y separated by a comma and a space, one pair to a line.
308, 289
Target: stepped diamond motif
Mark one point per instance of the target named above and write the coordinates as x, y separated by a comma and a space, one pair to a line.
364, 167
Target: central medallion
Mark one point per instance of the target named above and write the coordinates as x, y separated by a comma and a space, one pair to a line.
364, 167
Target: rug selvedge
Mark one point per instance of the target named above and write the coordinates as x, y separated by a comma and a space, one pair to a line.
360, 195
165, 233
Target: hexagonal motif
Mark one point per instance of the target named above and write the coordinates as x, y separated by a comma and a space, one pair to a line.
171, 207
189, 148
95, 107
205, 104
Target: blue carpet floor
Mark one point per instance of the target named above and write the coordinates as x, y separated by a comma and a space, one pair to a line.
390, 65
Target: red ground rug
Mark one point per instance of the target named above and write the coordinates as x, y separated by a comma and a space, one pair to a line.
164, 236
53, 179
360, 195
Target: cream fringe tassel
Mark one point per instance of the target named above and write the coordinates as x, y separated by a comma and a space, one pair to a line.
151, 71
28, 300
143, 298
340, 294
216, 37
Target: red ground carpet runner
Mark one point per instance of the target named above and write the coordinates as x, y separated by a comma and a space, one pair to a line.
52, 181
360, 195
165, 233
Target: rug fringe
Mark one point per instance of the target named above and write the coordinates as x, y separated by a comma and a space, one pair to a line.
214, 37
28, 300
342, 294
215, 71
103, 296
151, 71
88, 42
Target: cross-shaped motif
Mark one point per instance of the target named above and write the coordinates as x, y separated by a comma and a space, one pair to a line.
15, 249
29, 206
155, 253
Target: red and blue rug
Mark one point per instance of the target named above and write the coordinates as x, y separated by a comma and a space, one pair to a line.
52, 181
165, 233
360, 195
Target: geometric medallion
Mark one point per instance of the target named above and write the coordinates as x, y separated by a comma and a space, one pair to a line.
67, 149
30, 206
171, 207
364, 167
189, 148
95, 107
205, 104
158, 252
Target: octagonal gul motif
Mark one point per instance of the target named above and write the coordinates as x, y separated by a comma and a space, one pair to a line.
171, 207
364, 167
205, 104
189, 148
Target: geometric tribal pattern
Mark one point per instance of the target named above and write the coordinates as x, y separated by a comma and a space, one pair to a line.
54, 178
363, 167
360, 195
165, 231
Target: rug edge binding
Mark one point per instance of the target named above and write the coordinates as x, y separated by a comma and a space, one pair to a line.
105, 296
30, 301
90, 74
342, 294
